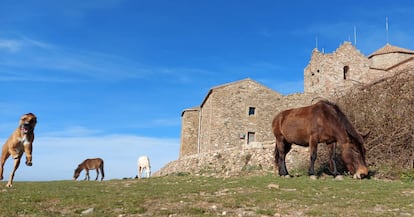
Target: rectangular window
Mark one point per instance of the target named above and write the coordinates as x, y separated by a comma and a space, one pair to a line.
250, 137
252, 111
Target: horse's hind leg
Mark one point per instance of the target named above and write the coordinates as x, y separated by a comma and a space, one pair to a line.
102, 173
97, 174
281, 149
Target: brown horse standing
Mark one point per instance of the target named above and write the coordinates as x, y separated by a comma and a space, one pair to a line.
88, 164
322, 122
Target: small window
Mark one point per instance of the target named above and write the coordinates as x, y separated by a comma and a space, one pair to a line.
250, 137
252, 111
346, 69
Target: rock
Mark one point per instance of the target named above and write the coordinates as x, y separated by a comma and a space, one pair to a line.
273, 186
88, 211
339, 178
313, 177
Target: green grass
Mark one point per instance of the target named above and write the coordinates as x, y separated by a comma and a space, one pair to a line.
186, 195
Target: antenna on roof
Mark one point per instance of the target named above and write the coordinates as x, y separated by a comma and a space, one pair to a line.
316, 42
355, 36
386, 29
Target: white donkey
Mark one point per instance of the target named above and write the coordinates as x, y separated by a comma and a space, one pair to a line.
144, 163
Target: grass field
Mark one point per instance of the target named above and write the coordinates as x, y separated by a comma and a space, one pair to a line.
186, 195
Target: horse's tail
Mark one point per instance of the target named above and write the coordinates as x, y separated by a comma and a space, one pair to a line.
348, 125
102, 170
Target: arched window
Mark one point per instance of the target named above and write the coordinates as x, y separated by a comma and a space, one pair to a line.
346, 69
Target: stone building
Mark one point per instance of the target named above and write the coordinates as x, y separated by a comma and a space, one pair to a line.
239, 114
231, 115
333, 73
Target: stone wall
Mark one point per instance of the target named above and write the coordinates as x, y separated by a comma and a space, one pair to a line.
257, 158
189, 132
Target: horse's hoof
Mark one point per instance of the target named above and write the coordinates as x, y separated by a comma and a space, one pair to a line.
356, 176
9, 185
287, 176
29, 164
313, 177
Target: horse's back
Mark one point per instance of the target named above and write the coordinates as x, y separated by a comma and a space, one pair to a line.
93, 163
143, 161
293, 125
298, 124
323, 120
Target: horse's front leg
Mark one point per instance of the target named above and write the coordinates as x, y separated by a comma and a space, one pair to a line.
148, 170
313, 150
332, 159
86, 174
15, 166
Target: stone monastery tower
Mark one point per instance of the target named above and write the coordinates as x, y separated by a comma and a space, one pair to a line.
239, 114
333, 73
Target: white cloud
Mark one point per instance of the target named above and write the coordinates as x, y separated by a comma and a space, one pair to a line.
78, 131
10, 45
54, 63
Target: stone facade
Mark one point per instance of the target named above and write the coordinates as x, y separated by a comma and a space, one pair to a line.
235, 114
235, 118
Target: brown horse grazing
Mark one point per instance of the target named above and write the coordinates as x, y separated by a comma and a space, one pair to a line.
322, 122
88, 164
20, 141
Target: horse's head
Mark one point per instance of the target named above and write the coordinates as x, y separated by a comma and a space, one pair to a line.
76, 173
353, 154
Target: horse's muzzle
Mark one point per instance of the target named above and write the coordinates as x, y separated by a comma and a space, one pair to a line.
29, 163
361, 173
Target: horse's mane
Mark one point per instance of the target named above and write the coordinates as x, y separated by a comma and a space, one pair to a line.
345, 121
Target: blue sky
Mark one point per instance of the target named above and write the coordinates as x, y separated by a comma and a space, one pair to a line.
110, 78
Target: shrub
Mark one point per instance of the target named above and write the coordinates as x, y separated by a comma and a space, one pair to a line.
386, 109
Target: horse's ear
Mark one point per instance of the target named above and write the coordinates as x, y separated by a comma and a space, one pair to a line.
365, 135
